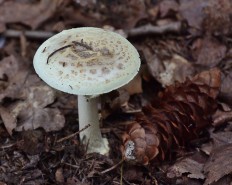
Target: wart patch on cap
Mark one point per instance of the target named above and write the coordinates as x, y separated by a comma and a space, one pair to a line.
86, 61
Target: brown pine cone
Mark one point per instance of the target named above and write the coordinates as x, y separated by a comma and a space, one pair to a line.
176, 117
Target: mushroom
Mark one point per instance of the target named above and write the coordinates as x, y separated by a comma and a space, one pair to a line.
87, 62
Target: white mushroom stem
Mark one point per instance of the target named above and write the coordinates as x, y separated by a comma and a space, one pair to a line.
91, 137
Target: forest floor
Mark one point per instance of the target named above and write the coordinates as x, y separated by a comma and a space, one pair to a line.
176, 39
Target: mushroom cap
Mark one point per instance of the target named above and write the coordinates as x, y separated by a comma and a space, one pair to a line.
86, 61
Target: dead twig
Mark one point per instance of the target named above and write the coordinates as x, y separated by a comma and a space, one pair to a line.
72, 135
71, 165
174, 27
29, 34
150, 29
112, 168
7, 146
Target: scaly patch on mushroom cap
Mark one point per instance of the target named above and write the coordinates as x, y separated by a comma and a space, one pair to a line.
86, 61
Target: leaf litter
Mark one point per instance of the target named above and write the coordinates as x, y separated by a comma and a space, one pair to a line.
175, 39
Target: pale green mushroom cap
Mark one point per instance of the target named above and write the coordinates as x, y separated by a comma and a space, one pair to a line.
86, 61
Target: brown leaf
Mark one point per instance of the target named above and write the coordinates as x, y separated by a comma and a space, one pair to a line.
213, 15
125, 14
186, 166
219, 164
27, 13
30, 117
167, 7
12, 77
167, 72
211, 78
39, 95
221, 138
8, 120
218, 139
210, 52
217, 19
224, 181
121, 14
79, 16
32, 113
8, 68
192, 11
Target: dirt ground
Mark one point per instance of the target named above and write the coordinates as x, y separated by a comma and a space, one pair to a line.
176, 39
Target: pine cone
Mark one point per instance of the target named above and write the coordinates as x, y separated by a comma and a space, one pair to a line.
176, 117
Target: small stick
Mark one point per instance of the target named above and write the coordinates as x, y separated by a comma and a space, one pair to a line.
174, 27
150, 29
71, 165
121, 174
7, 146
29, 34
72, 135
54, 52
112, 168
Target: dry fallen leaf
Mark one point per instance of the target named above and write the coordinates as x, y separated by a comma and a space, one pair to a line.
8, 120
39, 94
8, 68
121, 14
167, 7
221, 138
188, 166
219, 164
217, 19
12, 77
167, 72
210, 52
193, 12
210, 16
31, 111
218, 139
47, 118
31, 14
125, 14
25, 100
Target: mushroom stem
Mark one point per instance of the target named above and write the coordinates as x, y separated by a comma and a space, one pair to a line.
91, 137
